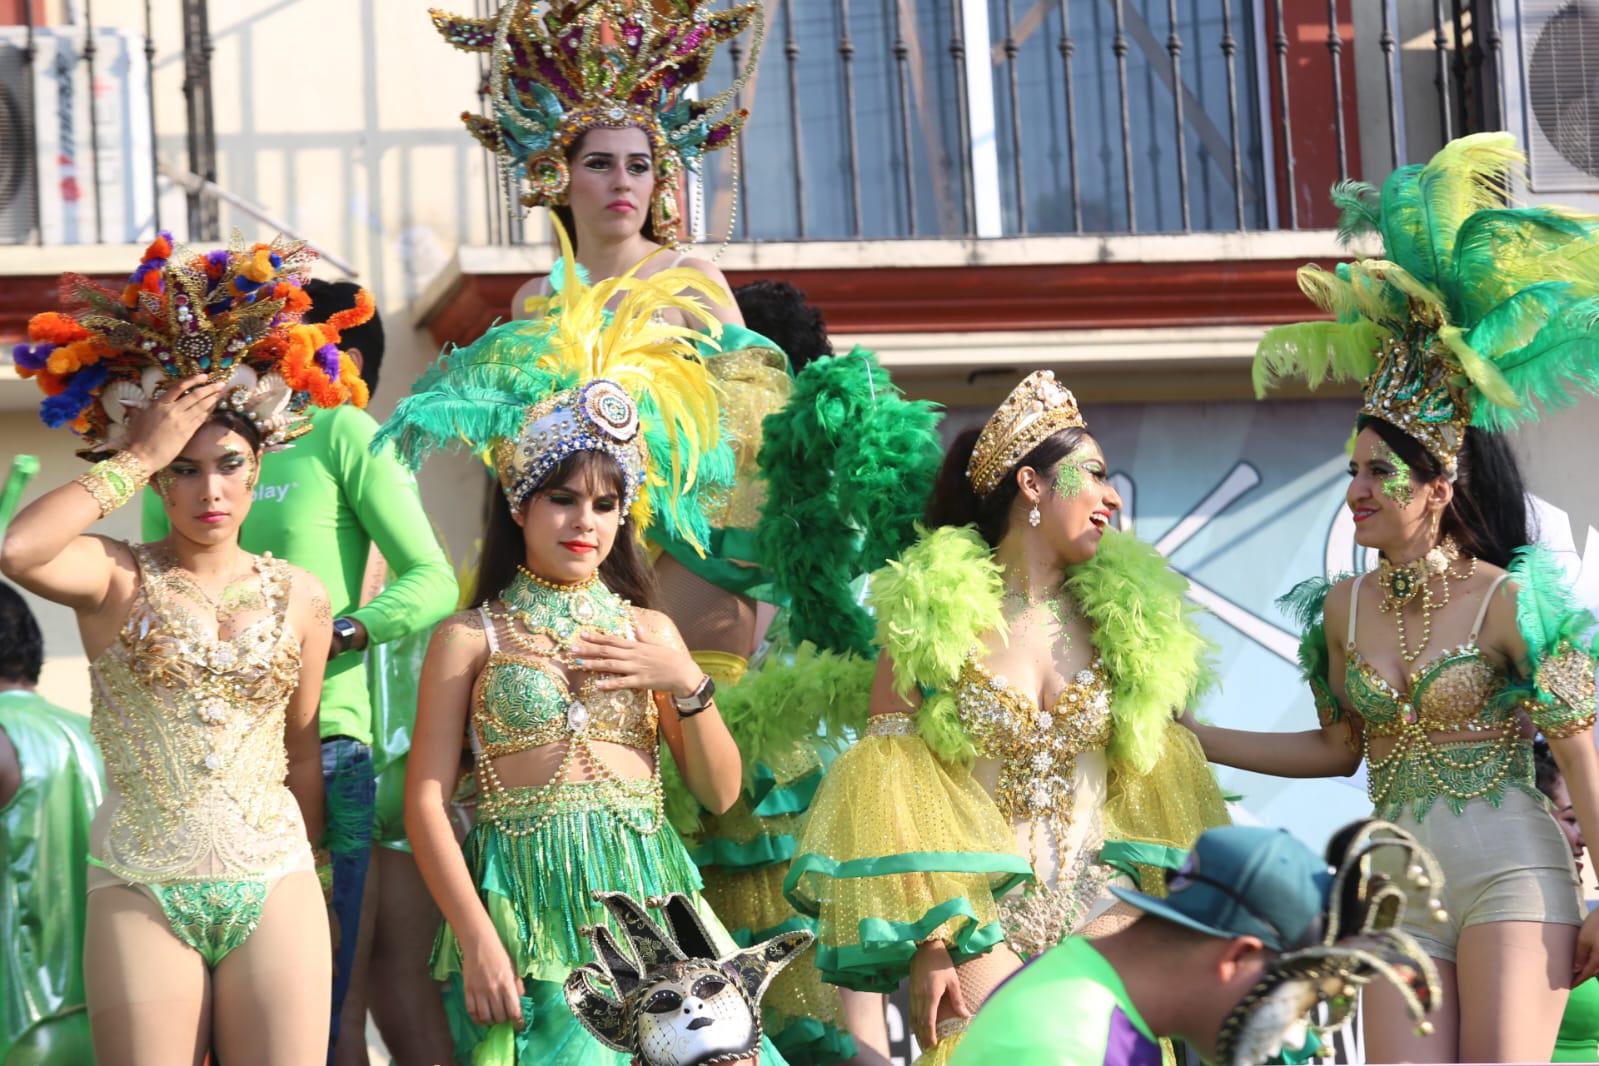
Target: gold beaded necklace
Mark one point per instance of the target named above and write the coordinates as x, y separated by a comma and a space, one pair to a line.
1402, 583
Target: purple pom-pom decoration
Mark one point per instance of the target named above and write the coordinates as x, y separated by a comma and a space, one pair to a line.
327, 357
32, 356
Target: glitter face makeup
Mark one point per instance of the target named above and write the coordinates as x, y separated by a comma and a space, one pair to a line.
1070, 478
1397, 486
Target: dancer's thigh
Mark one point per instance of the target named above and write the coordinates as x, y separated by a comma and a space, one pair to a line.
272, 993
405, 1000
1514, 979
149, 993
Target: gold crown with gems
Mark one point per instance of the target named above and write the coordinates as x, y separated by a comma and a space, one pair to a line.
1035, 410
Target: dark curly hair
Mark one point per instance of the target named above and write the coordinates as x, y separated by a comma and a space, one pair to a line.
21, 643
780, 313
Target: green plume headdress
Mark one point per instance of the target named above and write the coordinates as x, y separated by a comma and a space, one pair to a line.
530, 393
1473, 313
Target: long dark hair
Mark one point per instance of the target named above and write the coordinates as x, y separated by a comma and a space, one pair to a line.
954, 503
623, 570
1488, 515
564, 211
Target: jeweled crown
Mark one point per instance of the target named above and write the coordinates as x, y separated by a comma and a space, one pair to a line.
1421, 394
581, 64
1035, 410
598, 417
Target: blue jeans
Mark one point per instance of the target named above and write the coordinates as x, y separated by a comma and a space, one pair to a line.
351, 791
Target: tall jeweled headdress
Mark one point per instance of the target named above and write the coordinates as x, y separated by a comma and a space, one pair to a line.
559, 68
1035, 410
234, 314
669, 998
1474, 313
1380, 871
533, 392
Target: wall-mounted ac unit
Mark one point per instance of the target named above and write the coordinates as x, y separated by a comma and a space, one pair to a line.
48, 130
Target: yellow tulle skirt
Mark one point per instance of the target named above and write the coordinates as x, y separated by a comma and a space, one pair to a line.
1152, 819
899, 848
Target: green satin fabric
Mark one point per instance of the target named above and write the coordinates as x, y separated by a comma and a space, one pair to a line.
392, 672
44, 847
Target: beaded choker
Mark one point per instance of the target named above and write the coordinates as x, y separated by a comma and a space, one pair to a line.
543, 607
1401, 585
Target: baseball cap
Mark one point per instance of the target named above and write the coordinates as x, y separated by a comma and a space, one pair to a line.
1241, 880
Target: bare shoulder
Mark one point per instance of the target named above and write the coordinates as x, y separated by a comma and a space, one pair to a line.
308, 597
1338, 598
656, 627
460, 637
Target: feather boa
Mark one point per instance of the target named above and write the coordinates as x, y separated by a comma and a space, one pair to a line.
937, 600
1546, 612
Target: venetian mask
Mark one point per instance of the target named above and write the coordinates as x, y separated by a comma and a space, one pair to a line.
667, 998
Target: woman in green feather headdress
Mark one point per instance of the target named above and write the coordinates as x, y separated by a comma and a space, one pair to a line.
1021, 753
1474, 317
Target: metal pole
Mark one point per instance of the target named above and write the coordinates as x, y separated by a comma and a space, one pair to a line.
1174, 48
791, 57
29, 51
1280, 44
901, 53
1018, 176
89, 49
149, 89
963, 115
1119, 46
1391, 79
1229, 49
1067, 49
1440, 48
1335, 47
846, 56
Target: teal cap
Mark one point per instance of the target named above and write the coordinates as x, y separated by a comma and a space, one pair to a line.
1242, 880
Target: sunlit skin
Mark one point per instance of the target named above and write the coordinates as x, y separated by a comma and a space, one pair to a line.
1401, 531
1073, 522
207, 490
1566, 814
568, 529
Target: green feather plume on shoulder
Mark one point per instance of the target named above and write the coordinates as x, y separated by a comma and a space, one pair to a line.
1147, 639
1546, 611
849, 464
1305, 605
794, 698
933, 604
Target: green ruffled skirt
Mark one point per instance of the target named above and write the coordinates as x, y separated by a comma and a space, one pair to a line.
538, 891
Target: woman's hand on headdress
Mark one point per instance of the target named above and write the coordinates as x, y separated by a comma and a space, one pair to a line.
656, 665
158, 432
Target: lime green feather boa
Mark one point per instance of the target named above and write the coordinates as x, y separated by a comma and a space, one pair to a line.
934, 604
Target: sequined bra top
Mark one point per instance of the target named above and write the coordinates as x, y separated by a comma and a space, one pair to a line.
1459, 691
523, 700
191, 727
1037, 748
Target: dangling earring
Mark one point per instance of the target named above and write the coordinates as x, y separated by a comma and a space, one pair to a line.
1439, 555
1034, 518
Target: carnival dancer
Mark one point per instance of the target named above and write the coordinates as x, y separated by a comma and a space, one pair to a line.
592, 118
1051, 648
322, 505
206, 927
51, 782
599, 423
1474, 316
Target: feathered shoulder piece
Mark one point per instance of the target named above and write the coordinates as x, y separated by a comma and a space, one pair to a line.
234, 314
1148, 639
1472, 313
933, 604
1560, 642
849, 463
1305, 605
584, 378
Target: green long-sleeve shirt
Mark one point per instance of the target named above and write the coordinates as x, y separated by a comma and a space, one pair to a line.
321, 504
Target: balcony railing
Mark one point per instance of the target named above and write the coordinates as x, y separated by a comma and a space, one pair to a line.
1001, 118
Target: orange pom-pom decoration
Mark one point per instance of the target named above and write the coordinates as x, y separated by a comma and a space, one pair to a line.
160, 248
53, 327
365, 307
51, 384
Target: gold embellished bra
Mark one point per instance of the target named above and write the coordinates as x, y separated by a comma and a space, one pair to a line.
1459, 691
191, 727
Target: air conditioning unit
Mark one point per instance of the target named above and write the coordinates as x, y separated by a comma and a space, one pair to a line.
44, 127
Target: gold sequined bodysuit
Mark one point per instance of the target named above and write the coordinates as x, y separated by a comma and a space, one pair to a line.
1458, 691
1046, 770
191, 727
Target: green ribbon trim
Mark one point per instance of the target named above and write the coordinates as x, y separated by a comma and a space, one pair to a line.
730, 561
733, 854
1126, 856
882, 958
746, 936
768, 799
812, 1042
908, 862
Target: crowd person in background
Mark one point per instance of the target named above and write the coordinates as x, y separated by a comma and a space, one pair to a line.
322, 504
51, 783
1578, 1037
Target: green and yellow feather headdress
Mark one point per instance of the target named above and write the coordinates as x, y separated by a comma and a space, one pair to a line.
530, 393
1474, 313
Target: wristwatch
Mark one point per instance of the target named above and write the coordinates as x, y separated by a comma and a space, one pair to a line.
344, 631
696, 701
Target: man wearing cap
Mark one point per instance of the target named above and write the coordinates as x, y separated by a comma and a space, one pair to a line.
1244, 895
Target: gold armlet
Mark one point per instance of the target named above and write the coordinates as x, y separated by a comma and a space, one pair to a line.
1565, 683
114, 481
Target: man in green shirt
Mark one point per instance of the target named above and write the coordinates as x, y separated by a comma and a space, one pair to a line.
322, 504
1244, 895
51, 784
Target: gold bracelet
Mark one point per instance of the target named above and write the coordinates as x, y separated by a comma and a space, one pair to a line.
114, 481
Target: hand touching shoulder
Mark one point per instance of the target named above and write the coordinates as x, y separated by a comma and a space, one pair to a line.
656, 628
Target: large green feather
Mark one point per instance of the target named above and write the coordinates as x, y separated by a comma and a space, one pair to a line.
1316, 351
